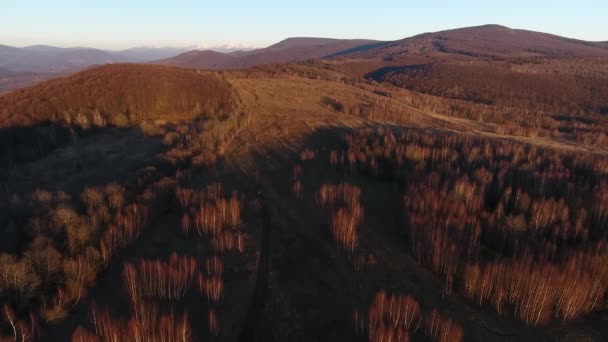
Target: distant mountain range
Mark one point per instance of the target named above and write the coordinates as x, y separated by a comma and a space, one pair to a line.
488, 41
22, 66
51, 59
27, 65
146, 54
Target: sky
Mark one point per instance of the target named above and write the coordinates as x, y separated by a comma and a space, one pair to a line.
120, 24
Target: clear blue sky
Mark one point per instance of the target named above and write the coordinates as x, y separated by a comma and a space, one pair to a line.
115, 24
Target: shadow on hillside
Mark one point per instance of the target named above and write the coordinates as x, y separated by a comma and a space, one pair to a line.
309, 286
357, 49
59, 159
163, 237
23, 144
315, 286
380, 74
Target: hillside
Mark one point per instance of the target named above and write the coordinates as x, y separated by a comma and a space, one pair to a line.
490, 41
114, 94
299, 49
196, 59
288, 50
492, 65
505, 85
46, 116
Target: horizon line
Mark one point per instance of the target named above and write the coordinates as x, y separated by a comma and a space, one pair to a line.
246, 46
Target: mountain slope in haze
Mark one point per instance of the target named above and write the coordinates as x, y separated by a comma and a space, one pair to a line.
145, 54
14, 79
41, 58
23, 66
299, 49
486, 41
45, 58
288, 50
197, 59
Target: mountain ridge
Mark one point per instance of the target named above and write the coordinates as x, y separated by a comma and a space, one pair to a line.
486, 41
288, 50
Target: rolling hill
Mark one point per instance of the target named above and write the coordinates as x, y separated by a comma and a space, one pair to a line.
145, 54
39, 118
286, 51
492, 64
115, 94
197, 59
491, 41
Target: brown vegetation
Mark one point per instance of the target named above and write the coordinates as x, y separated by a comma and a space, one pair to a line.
112, 95
126, 229
145, 324
22, 330
38, 119
213, 216
214, 323
399, 318
548, 93
343, 199
459, 198
297, 189
66, 242
344, 224
307, 154
157, 279
441, 329
537, 292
